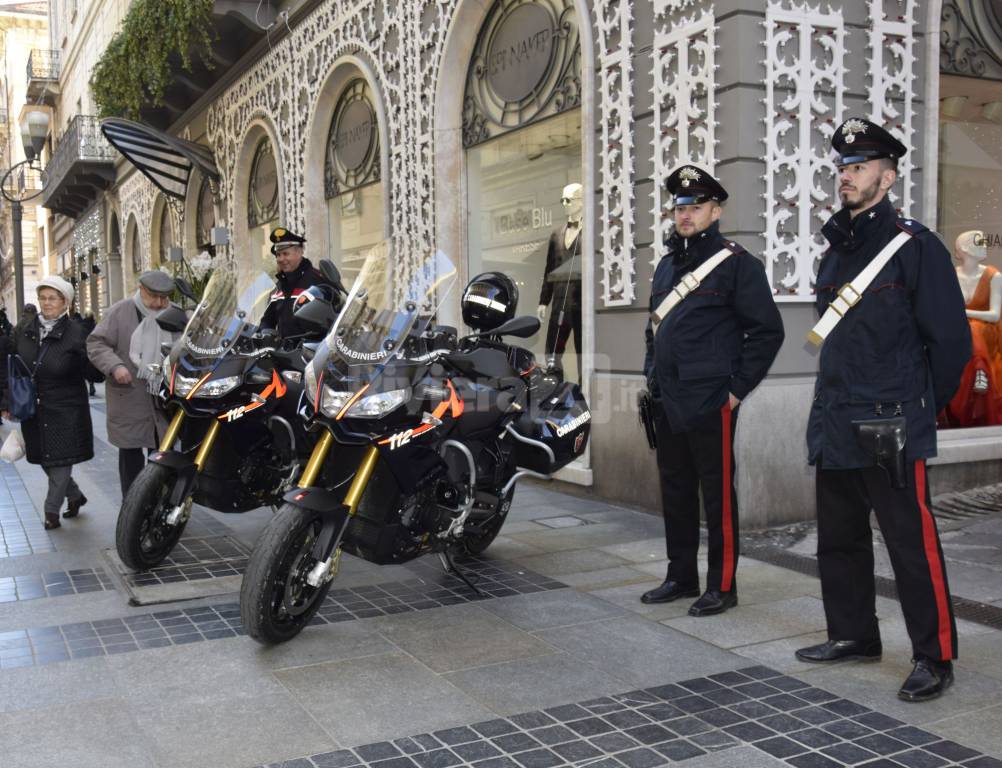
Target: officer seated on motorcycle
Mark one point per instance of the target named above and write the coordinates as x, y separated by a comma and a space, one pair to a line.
296, 277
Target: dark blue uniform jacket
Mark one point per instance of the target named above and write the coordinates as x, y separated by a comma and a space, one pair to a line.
721, 338
902, 348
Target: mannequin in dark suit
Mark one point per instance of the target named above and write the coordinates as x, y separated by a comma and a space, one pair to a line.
561, 290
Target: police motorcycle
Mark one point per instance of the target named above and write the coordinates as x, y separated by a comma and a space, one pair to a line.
422, 438
232, 392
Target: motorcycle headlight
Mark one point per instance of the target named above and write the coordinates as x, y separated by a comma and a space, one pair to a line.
219, 387
376, 406
310, 385
183, 385
332, 402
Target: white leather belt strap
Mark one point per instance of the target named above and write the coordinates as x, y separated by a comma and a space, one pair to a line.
848, 295
689, 282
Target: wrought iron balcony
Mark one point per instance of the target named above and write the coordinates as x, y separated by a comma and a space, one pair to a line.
82, 166
43, 74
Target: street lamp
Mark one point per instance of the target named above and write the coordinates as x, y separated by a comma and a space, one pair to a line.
34, 129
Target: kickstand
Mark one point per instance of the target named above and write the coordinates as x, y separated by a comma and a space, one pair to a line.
450, 567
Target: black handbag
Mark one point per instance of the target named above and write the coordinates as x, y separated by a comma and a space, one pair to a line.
22, 397
884, 439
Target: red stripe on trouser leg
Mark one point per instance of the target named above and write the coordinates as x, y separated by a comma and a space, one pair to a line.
935, 565
726, 522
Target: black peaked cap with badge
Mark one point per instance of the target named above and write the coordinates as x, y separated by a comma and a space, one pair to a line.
282, 238
691, 185
858, 140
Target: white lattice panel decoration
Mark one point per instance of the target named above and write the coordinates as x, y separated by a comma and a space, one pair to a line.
684, 103
137, 195
614, 20
892, 79
805, 82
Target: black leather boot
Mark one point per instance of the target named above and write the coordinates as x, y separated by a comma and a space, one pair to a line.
713, 602
668, 592
831, 651
927, 681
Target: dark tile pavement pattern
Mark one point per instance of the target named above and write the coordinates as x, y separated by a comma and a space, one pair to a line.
21, 528
431, 588
195, 559
55, 584
786, 718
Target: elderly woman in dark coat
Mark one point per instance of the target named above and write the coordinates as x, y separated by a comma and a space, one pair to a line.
60, 433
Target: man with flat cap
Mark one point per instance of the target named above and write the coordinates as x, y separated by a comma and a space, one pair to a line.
121, 346
713, 333
894, 342
295, 275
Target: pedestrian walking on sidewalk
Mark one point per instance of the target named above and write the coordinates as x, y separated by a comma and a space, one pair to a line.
52, 346
895, 343
128, 332
713, 334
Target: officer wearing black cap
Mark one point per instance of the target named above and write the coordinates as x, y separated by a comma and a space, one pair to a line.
295, 275
714, 332
895, 341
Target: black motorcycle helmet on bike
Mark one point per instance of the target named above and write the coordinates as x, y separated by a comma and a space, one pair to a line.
489, 300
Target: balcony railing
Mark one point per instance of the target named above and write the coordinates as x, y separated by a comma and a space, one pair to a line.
43, 65
81, 166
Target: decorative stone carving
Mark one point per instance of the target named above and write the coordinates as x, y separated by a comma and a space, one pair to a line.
614, 24
684, 102
892, 78
805, 83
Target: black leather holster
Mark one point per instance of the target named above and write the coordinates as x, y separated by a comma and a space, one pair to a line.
884, 439
646, 406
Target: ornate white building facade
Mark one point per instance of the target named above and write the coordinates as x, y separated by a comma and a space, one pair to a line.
455, 124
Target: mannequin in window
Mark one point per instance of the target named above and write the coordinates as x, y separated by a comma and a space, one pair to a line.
978, 401
561, 292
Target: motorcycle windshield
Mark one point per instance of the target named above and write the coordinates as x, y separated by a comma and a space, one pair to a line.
233, 303
378, 316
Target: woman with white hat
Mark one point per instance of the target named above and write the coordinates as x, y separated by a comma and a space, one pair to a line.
52, 347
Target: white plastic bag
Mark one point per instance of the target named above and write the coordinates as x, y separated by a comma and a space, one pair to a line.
13, 446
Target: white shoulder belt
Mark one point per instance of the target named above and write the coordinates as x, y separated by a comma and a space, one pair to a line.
689, 282
848, 295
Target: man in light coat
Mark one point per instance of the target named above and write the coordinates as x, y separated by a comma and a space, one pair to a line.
134, 422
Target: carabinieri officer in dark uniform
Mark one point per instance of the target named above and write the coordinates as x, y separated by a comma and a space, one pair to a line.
295, 275
703, 358
891, 363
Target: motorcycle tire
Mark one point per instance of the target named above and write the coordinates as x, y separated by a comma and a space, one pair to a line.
477, 543
142, 538
275, 602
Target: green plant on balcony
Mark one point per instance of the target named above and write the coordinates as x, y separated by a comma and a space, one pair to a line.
134, 71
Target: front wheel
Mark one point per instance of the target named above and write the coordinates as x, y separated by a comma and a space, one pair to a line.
276, 602
143, 536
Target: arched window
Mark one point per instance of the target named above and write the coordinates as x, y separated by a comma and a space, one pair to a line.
522, 133
165, 236
136, 254
205, 215
262, 200
352, 178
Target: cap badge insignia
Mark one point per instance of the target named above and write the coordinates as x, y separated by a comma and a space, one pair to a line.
851, 128
689, 174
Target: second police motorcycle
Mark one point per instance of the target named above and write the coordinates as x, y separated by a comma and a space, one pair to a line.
420, 437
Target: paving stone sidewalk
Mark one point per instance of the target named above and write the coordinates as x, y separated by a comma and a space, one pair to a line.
558, 664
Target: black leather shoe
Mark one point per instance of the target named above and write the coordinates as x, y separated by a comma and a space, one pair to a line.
668, 592
841, 650
712, 602
927, 681
73, 507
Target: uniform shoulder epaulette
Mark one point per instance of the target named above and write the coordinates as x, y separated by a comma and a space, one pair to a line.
911, 226
733, 247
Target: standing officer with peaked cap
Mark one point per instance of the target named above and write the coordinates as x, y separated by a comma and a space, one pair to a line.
705, 353
295, 274
891, 361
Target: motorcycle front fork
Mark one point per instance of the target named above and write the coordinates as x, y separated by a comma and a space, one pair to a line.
181, 497
328, 545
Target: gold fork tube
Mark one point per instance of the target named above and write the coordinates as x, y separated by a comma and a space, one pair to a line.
172, 431
362, 475
207, 441
317, 459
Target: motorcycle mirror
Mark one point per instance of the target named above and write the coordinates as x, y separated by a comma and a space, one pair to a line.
185, 289
329, 271
522, 327
173, 319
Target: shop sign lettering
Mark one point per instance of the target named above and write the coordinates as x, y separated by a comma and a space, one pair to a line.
522, 220
520, 53
988, 239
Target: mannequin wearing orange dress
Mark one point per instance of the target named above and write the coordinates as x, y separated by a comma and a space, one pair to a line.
978, 401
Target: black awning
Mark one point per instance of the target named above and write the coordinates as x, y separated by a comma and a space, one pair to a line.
164, 159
